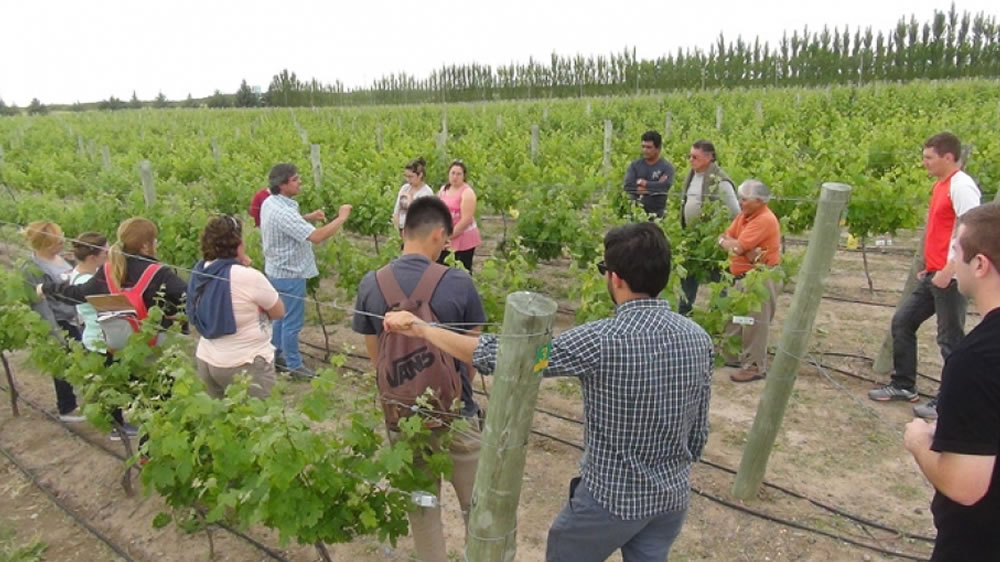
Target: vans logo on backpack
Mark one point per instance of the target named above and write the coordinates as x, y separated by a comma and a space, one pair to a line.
408, 367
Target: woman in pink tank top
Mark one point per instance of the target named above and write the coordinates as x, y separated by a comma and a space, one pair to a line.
461, 201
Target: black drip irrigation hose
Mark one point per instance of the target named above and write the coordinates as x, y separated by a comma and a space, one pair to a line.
34, 406
868, 359
802, 527
779, 520
822, 505
54, 499
830, 508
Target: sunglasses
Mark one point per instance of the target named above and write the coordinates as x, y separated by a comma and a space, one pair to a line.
602, 267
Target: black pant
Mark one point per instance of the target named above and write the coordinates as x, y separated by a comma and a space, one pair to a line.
464, 256
926, 300
689, 285
65, 398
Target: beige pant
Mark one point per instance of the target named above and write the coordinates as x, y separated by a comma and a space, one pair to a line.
755, 336
216, 379
425, 522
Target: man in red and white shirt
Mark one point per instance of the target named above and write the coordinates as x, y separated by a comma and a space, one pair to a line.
954, 193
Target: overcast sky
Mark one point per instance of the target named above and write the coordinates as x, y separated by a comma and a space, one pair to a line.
62, 51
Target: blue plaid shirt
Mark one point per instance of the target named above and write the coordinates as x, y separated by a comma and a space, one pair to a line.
646, 375
287, 252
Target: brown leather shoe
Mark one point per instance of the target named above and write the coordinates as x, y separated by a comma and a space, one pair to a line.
747, 375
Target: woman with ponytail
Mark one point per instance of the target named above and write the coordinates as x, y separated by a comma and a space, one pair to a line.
128, 257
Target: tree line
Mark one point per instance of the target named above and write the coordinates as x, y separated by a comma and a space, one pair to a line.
949, 46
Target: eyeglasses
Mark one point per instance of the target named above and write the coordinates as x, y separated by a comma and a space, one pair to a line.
602, 267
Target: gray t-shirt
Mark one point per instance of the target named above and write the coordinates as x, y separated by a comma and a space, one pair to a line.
455, 301
58, 270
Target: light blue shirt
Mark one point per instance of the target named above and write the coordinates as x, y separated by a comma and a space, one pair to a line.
288, 254
93, 336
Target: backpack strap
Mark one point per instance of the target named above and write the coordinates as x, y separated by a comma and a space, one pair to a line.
428, 283
389, 287
147, 278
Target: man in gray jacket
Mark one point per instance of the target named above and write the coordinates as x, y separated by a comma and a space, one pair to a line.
706, 183
649, 178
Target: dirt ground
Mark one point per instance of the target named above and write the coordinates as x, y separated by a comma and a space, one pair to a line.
834, 446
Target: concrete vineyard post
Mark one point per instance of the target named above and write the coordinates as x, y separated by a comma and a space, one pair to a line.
794, 341
216, 155
534, 142
378, 137
105, 158
148, 189
718, 118
668, 124
883, 362
523, 355
608, 132
317, 166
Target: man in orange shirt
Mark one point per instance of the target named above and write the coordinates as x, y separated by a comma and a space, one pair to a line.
753, 238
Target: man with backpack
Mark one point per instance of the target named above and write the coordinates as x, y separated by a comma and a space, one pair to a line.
406, 367
646, 377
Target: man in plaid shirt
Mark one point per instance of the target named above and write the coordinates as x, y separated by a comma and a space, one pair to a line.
646, 379
288, 239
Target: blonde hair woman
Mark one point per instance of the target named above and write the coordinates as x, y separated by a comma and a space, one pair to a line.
48, 266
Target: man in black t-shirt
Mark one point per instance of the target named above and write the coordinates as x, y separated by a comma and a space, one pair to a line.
958, 454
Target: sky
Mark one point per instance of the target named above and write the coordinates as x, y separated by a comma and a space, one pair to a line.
62, 51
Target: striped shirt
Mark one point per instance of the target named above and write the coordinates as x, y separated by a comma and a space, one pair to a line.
288, 254
646, 377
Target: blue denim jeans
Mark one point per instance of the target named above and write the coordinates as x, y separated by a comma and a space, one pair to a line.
285, 336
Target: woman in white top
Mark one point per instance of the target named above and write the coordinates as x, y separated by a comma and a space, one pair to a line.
232, 305
413, 189
91, 252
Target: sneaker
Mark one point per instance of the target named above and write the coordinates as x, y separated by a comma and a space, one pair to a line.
890, 392
279, 362
72, 416
926, 411
301, 372
130, 430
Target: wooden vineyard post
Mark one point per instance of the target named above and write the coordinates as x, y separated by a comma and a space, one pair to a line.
523, 354
534, 142
794, 340
10, 383
883, 362
608, 132
317, 165
148, 189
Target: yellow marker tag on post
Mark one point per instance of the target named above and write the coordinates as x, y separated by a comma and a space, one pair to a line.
542, 358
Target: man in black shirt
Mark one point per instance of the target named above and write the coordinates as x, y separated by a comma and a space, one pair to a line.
958, 453
649, 178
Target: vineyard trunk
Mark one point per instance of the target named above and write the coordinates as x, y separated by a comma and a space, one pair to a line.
10, 383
